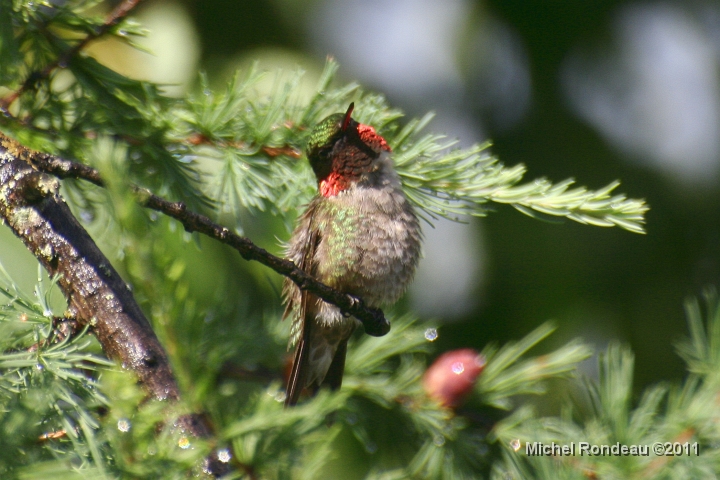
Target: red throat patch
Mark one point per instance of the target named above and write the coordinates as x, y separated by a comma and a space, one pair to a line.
349, 165
370, 137
332, 185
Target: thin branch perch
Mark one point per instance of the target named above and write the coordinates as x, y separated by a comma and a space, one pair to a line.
373, 319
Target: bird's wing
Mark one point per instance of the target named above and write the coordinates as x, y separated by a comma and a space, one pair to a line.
302, 252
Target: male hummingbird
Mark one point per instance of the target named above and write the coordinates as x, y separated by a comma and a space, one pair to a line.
358, 235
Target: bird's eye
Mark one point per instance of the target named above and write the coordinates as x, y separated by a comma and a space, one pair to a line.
324, 152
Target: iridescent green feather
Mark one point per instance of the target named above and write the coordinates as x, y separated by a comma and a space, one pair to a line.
341, 222
323, 133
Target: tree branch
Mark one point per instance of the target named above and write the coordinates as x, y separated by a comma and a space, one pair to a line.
373, 319
118, 13
96, 294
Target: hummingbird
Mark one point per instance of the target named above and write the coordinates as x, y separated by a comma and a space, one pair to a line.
359, 235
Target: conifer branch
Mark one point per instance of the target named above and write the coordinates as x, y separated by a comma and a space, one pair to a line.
95, 292
666, 417
449, 182
115, 17
439, 178
373, 319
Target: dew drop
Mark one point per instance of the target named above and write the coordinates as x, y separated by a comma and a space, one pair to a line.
224, 455
515, 444
431, 334
371, 447
39, 367
123, 425
86, 216
458, 368
280, 396
439, 440
184, 443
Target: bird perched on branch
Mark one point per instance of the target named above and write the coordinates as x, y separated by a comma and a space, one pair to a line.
358, 235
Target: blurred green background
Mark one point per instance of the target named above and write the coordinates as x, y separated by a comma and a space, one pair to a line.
596, 90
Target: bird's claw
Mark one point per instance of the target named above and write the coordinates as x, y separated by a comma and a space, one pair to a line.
379, 326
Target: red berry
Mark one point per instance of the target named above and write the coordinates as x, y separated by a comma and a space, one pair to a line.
451, 377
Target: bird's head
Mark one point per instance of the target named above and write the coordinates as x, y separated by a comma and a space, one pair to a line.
341, 151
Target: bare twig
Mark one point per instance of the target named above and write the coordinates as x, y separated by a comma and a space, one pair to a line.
373, 320
272, 152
